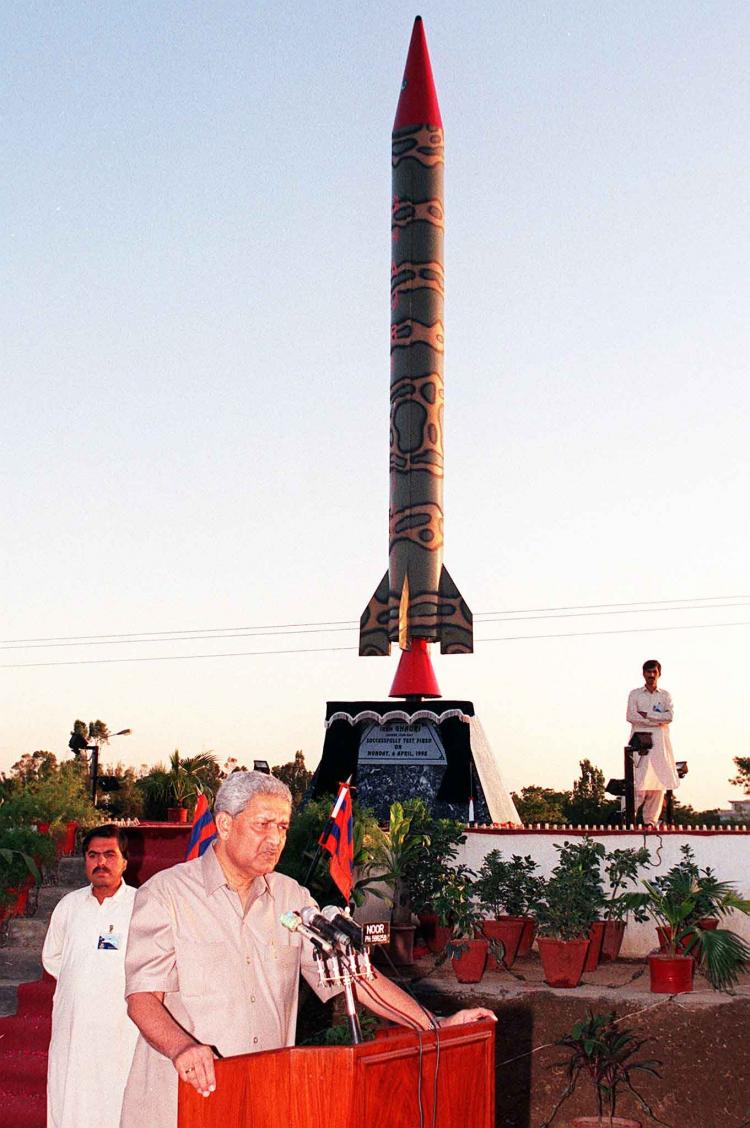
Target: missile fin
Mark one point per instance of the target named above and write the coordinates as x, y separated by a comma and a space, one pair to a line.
456, 622
373, 625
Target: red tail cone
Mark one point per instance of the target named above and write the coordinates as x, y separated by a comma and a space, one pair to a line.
415, 676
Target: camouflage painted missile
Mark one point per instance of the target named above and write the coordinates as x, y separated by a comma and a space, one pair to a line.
416, 599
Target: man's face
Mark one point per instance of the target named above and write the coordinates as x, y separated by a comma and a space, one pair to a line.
254, 840
651, 678
105, 864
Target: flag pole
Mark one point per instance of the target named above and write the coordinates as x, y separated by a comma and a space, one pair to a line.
323, 834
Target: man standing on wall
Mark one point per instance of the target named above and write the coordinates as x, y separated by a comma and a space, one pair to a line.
92, 1037
650, 711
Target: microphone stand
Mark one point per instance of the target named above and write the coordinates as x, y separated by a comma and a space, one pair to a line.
352, 1017
348, 967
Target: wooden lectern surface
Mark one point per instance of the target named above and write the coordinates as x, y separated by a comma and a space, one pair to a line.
378, 1083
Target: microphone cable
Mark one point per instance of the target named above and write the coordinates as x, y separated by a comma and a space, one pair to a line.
409, 1022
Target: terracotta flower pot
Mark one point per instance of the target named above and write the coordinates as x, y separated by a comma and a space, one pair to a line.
436, 936
671, 975
508, 930
596, 936
469, 966
427, 924
177, 814
665, 935
527, 937
614, 931
66, 843
21, 893
562, 960
401, 947
604, 1122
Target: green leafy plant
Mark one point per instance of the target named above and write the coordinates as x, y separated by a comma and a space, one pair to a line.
187, 775
394, 854
602, 1053
303, 861
622, 868
425, 871
23, 851
339, 1033
574, 893
55, 794
510, 887
458, 910
677, 902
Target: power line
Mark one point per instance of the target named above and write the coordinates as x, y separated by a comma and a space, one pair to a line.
334, 626
114, 640
335, 649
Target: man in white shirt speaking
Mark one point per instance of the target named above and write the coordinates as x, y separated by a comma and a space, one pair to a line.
650, 711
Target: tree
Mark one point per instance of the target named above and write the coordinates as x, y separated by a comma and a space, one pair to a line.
742, 779
95, 732
120, 796
588, 803
33, 767
295, 775
540, 804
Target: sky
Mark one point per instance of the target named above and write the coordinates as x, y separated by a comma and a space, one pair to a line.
194, 350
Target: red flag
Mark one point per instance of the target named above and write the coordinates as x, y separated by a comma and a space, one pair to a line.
338, 839
203, 832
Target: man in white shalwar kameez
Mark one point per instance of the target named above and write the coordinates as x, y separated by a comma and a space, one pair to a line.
92, 1037
650, 711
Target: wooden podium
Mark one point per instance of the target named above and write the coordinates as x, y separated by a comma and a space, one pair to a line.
376, 1083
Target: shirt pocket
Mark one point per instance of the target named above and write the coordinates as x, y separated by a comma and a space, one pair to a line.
201, 967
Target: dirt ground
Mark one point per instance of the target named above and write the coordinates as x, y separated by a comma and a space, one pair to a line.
702, 1040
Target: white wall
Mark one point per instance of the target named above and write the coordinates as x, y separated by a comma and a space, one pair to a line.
725, 851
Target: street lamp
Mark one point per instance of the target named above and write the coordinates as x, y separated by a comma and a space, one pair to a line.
94, 750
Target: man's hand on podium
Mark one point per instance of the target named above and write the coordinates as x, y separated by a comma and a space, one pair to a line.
196, 1066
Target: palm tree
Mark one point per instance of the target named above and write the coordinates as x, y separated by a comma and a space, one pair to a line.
189, 775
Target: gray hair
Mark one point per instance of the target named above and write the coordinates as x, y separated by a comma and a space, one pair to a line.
236, 793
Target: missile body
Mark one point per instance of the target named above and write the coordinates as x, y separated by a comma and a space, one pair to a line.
416, 599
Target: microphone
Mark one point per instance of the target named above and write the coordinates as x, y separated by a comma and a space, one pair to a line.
320, 925
345, 925
294, 923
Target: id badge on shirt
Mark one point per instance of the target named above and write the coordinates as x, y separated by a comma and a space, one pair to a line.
110, 941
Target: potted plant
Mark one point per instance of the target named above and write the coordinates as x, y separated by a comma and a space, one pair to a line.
573, 898
506, 891
705, 887
429, 868
187, 775
675, 902
621, 868
456, 908
602, 1052
393, 854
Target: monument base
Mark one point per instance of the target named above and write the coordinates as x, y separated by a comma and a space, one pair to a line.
435, 752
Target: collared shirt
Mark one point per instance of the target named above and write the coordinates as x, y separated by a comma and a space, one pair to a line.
230, 977
85, 950
655, 770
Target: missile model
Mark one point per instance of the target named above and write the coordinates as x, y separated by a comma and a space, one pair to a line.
416, 602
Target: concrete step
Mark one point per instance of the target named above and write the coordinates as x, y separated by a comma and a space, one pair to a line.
49, 895
20, 964
71, 871
8, 996
27, 932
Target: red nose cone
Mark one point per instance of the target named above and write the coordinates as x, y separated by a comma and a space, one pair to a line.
418, 104
415, 676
